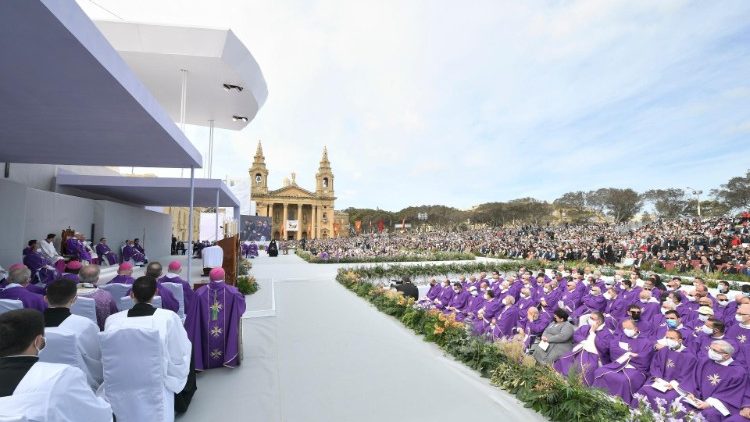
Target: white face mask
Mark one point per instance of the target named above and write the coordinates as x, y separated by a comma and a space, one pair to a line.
546, 291
525, 295
664, 311
738, 318
39, 349
703, 318
716, 357
644, 300
669, 288
672, 344
723, 290
607, 296
691, 298
629, 332
707, 330
474, 293
723, 302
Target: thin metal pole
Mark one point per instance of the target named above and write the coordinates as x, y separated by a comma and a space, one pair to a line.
210, 148
183, 102
190, 224
217, 215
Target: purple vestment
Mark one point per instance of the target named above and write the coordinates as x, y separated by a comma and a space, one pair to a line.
446, 294
434, 291
104, 251
589, 304
122, 279
582, 360
626, 377
37, 264
130, 252
187, 292
724, 383
475, 304
213, 325
491, 308
669, 365
505, 322
30, 300
105, 305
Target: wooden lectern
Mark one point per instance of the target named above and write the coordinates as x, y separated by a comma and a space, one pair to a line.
231, 247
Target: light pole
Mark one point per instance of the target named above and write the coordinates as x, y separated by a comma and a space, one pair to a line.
697, 193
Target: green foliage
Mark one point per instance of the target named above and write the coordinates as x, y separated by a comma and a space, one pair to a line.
538, 387
735, 194
247, 285
244, 267
406, 257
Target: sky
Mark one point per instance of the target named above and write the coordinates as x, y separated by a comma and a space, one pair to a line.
461, 103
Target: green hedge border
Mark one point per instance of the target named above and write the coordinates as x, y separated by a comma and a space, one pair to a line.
538, 387
434, 256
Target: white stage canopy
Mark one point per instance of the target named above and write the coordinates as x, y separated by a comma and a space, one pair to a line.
69, 98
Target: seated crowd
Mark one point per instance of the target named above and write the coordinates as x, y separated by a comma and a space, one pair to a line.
641, 340
715, 244
71, 356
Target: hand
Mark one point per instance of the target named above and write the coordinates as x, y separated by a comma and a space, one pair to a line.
544, 338
745, 412
659, 346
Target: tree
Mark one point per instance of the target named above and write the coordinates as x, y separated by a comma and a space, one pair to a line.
735, 193
646, 218
573, 204
620, 204
668, 203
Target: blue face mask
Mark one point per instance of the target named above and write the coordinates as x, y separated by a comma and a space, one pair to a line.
672, 323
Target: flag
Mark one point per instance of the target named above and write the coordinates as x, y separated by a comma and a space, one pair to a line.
381, 226
358, 226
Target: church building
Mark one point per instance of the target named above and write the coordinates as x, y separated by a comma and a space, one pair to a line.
297, 213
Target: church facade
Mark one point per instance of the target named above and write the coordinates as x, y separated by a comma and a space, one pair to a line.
296, 213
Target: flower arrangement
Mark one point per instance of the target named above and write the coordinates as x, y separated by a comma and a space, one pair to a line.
247, 285
406, 256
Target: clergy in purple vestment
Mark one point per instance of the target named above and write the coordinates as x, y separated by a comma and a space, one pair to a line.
672, 322
631, 354
650, 307
592, 302
129, 252
672, 367
719, 383
434, 290
645, 327
173, 276
549, 297
103, 300
168, 301
446, 294
505, 322
711, 331
124, 274
213, 324
526, 300
252, 250
476, 302
571, 298
459, 301
740, 333
72, 268
617, 306
536, 323
18, 279
41, 269
591, 349
105, 253
490, 309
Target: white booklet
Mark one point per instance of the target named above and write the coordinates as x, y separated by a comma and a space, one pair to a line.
661, 385
543, 345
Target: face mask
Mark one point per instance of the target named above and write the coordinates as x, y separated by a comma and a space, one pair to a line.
546, 291
723, 290
475, 293
644, 300
607, 296
629, 332
707, 330
746, 294
691, 298
714, 356
664, 311
672, 323
486, 297
670, 288
738, 318
44, 344
525, 295
703, 318
456, 290
585, 282
672, 344
723, 302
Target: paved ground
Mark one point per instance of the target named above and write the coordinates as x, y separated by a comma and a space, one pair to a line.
316, 352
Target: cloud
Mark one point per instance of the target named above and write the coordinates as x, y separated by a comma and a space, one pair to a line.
463, 103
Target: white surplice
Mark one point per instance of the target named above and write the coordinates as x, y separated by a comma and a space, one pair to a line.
53, 392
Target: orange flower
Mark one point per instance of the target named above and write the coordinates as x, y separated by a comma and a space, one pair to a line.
438, 329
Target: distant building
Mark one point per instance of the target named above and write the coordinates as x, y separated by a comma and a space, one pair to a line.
297, 213
340, 224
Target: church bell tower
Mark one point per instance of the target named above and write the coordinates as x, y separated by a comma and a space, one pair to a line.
259, 174
324, 176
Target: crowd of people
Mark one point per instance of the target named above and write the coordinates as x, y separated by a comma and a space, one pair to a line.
684, 244
145, 337
653, 341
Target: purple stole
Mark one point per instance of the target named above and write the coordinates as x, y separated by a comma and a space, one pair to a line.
29, 299
669, 365
460, 300
434, 292
475, 304
506, 322
725, 383
446, 294
122, 279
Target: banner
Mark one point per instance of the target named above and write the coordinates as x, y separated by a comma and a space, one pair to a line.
255, 229
358, 226
381, 226
292, 225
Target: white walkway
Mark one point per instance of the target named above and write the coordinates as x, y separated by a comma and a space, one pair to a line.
316, 352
